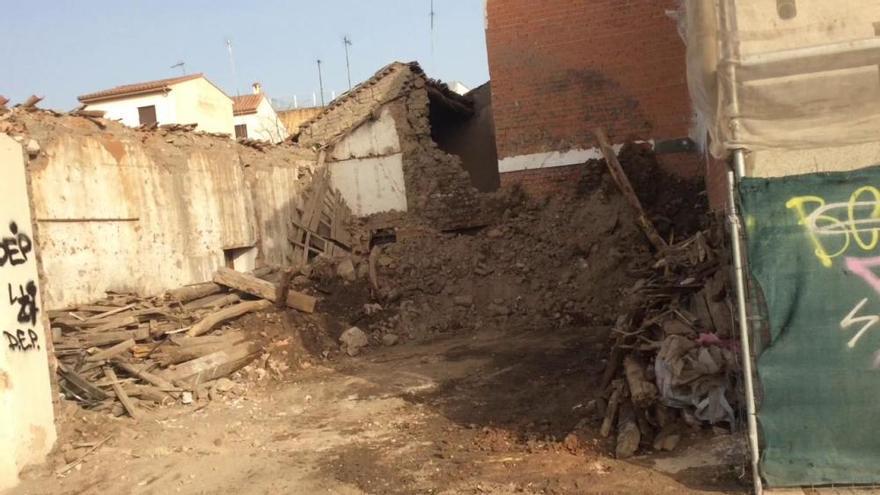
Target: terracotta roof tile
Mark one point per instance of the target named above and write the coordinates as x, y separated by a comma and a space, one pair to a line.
242, 105
137, 88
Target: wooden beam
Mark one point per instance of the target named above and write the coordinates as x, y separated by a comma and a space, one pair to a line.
191, 292
215, 365
262, 288
625, 187
228, 313
121, 395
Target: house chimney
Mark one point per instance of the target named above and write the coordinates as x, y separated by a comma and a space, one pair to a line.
258, 88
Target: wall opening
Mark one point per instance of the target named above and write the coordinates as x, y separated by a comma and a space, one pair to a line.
468, 133
243, 259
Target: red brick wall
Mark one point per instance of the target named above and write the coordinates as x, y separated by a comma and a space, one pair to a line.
561, 68
545, 181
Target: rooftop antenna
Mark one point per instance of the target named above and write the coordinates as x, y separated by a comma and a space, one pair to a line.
432, 14
232, 64
182, 66
320, 82
346, 41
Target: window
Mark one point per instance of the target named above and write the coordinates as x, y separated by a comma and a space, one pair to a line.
241, 131
147, 115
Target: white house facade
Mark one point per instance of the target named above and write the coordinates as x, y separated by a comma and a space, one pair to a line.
191, 99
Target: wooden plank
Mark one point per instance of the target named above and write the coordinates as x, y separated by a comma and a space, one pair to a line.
146, 376
121, 395
111, 352
115, 323
319, 188
215, 365
110, 338
110, 312
95, 308
625, 187
81, 384
234, 311
191, 292
262, 288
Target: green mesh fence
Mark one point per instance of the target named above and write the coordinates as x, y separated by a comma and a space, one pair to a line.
813, 251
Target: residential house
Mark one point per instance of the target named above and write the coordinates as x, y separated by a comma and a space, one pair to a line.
255, 118
561, 71
191, 99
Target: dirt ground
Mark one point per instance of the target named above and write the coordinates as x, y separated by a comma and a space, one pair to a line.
488, 412
482, 375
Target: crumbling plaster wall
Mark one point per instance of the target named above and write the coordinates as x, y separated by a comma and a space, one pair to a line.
438, 188
367, 167
128, 210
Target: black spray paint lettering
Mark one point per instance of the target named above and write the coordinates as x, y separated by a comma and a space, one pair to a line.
22, 341
15, 248
27, 301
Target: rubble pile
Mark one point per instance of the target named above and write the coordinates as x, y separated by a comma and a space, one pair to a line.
125, 353
674, 356
540, 266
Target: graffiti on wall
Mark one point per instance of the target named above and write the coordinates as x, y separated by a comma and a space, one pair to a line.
851, 230
15, 250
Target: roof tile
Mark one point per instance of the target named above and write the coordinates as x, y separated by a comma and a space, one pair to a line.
137, 88
242, 105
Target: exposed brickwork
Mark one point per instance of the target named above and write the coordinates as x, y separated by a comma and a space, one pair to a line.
542, 182
561, 68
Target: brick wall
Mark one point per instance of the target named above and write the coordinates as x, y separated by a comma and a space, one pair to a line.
561, 68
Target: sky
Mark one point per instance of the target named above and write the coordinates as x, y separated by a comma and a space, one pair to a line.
63, 48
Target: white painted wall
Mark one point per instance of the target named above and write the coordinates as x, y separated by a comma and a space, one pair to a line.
551, 159
367, 167
373, 138
126, 110
200, 102
27, 428
264, 124
371, 185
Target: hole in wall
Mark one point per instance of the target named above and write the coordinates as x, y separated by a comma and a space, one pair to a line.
787, 9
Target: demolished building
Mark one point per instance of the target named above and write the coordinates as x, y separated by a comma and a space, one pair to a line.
387, 148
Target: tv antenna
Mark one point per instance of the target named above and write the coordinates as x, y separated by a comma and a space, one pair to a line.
182, 65
432, 15
320, 82
232, 65
346, 41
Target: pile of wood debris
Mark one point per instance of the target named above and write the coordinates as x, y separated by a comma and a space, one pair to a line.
157, 350
674, 359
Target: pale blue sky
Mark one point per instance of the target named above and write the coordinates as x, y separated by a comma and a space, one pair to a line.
62, 48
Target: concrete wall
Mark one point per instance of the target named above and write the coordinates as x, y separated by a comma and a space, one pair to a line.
27, 429
561, 68
126, 110
264, 125
149, 211
198, 101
